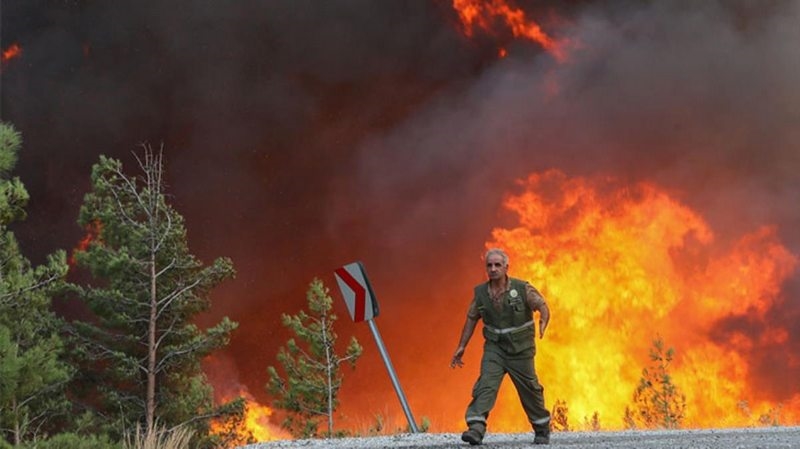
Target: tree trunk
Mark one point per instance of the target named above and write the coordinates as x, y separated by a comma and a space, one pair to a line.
328, 368
17, 429
151, 350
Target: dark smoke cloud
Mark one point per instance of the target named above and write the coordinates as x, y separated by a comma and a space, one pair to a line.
261, 108
303, 135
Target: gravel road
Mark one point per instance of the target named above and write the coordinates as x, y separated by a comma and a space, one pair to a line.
762, 437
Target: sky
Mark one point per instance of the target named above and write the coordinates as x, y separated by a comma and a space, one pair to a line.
301, 136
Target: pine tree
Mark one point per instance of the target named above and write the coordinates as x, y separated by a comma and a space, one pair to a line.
32, 374
658, 402
629, 419
309, 392
142, 351
593, 423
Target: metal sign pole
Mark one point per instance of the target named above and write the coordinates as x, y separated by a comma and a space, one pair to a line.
362, 306
399, 390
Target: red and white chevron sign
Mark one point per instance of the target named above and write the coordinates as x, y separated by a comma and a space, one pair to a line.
357, 293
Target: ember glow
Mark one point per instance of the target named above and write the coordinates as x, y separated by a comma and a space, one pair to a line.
484, 14
621, 265
13, 51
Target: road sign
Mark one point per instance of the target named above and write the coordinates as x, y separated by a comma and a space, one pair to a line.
357, 292
361, 304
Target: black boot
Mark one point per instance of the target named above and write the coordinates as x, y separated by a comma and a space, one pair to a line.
472, 436
542, 434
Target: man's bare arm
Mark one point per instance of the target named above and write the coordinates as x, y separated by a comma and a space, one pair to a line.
538, 304
466, 334
544, 318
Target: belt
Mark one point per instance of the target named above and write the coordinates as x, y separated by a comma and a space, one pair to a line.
508, 330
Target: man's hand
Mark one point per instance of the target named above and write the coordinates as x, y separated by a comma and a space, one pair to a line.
456, 361
542, 328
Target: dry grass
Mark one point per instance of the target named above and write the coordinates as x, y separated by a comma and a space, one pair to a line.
177, 438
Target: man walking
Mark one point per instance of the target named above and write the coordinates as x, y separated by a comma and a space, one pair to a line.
506, 306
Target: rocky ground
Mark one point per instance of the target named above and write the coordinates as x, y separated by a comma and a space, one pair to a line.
763, 438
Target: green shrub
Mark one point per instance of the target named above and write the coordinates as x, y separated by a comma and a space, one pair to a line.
73, 441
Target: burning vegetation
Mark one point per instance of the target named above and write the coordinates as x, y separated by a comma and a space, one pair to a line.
661, 318
639, 283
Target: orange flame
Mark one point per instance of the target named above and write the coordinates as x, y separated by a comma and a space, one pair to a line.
13, 51
483, 13
620, 266
93, 230
222, 373
256, 421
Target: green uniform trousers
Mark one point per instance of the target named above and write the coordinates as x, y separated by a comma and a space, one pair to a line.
494, 365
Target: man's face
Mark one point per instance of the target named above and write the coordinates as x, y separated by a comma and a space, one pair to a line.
495, 267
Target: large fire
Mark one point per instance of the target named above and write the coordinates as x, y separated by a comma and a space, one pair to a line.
623, 265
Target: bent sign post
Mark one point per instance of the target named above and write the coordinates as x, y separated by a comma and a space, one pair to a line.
362, 306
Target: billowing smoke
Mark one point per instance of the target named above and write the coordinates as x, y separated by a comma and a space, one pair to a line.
301, 136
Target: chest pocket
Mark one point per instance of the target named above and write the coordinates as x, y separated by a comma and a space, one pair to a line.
516, 304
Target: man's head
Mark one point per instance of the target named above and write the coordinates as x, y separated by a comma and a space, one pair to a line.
496, 264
